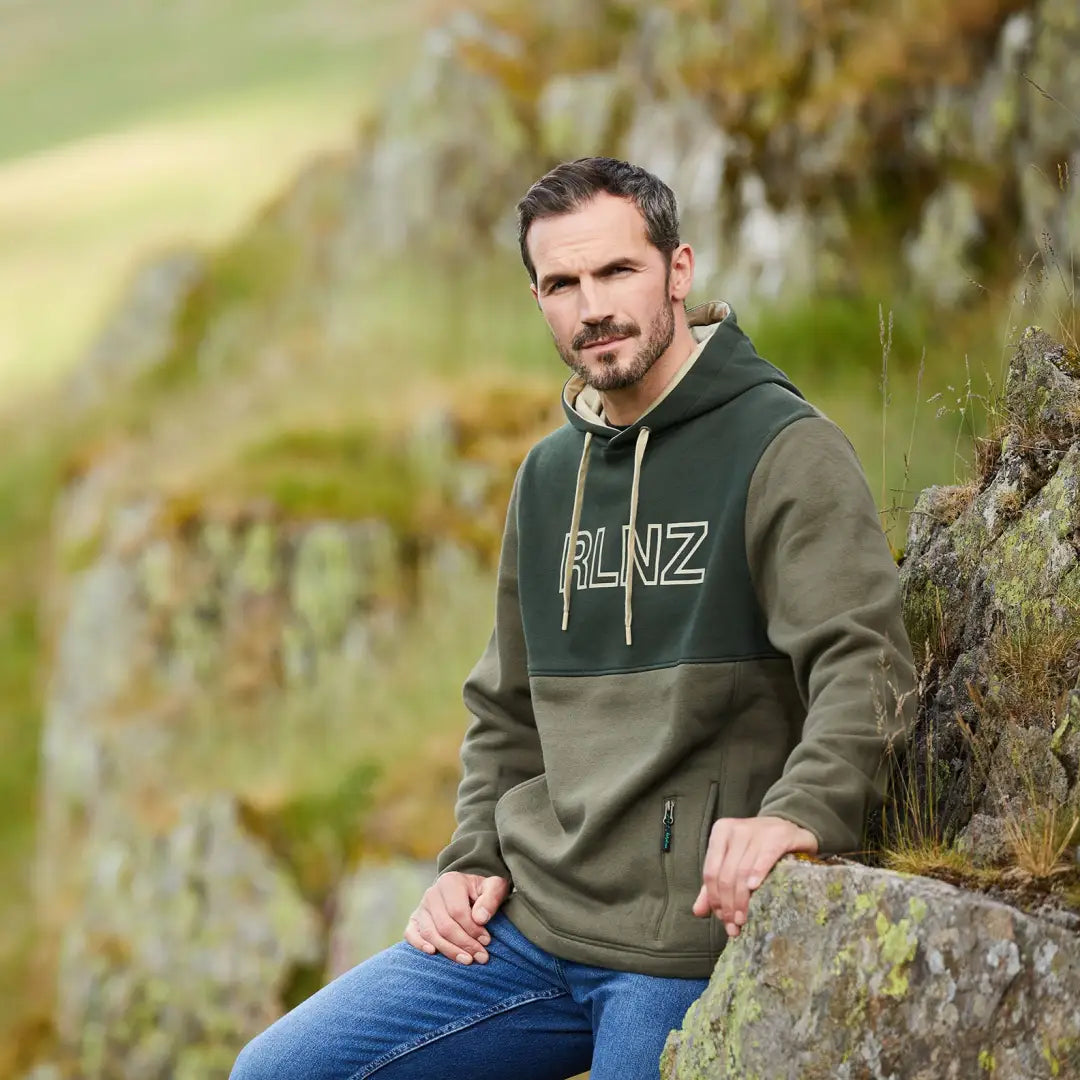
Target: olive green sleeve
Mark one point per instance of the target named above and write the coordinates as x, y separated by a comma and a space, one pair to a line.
501, 746
829, 590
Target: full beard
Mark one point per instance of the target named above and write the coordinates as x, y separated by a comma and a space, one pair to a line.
609, 375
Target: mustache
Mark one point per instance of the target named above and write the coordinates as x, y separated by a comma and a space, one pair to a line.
604, 330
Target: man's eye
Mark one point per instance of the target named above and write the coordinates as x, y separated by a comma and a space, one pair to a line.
556, 286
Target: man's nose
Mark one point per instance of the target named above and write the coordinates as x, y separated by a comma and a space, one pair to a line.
595, 305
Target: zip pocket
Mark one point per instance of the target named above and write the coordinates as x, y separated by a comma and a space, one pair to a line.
667, 834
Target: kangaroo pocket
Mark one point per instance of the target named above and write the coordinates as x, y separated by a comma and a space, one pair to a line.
627, 880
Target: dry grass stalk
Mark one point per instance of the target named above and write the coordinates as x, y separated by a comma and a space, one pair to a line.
1032, 663
1040, 840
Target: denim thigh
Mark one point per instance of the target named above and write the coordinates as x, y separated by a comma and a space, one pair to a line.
405, 1015
631, 1015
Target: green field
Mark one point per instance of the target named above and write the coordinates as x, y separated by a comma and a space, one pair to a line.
126, 128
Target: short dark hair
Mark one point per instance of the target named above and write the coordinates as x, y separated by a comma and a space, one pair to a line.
573, 183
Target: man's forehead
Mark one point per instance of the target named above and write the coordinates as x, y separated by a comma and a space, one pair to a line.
603, 226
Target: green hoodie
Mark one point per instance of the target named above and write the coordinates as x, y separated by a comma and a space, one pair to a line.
742, 669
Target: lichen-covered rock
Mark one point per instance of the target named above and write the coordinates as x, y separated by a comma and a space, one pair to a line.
991, 592
161, 639
180, 931
371, 908
214, 639
845, 972
816, 114
187, 937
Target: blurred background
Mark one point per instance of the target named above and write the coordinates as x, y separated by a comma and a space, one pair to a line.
268, 362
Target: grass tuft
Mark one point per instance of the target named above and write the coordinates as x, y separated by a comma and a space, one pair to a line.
1040, 841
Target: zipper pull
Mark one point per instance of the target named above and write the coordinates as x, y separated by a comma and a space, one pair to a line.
669, 820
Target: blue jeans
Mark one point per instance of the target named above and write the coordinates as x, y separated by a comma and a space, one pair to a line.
524, 1015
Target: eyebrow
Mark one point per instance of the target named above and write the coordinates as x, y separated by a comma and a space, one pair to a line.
549, 279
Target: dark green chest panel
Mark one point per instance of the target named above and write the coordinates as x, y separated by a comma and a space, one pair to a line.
693, 600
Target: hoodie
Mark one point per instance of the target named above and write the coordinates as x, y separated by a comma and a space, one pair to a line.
697, 616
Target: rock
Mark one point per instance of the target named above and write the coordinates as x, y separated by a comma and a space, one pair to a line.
991, 584
578, 114
776, 251
942, 255
187, 933
371, 907
980, 120
443, 186
677, 140
984, 840
843, 971
187, 939
140, 332
1055, 67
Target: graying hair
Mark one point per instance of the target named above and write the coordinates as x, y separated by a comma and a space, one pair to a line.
573, 183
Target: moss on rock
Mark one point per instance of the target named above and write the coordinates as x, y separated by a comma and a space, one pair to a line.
899, 979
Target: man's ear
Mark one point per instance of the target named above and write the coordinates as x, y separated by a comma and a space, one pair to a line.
682, 272
535, 294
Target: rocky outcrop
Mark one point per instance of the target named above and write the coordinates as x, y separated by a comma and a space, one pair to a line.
190, 931
188, 938
843, 971
207, 835
819, 112
991, 584
140, 333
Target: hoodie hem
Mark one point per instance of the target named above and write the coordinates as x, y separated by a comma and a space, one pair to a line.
619, 957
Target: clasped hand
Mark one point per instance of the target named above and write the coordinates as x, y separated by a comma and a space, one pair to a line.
451, 916
741, 853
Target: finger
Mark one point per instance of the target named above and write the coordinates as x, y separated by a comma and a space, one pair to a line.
766, 859
414, 938
741, 897
701, 904
493, 892
714, 860
455, 899
726, 876
429, 932
452, 930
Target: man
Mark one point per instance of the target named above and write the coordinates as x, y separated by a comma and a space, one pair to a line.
696, 607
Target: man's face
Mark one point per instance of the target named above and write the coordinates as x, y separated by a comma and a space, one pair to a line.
603, 289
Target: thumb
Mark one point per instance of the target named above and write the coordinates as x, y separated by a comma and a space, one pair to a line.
701, 904
493, 892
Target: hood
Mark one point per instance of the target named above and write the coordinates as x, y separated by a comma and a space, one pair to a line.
723, 366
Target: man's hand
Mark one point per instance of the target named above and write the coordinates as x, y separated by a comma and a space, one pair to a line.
741, 852
450, 918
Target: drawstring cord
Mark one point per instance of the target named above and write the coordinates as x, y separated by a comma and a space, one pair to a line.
575, 522
631, 540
